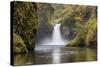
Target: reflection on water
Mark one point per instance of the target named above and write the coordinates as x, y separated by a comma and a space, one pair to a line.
56, 55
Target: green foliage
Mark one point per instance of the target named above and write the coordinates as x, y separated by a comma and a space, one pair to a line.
91, 34
81, 22
87, 35
25, 22
77, 42
18, 44
45, 12
75, 19
81, 29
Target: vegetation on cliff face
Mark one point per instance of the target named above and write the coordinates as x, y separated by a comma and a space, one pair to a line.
27, 18
19, 45
82, 26
91, 37
86, 36
78, 24
45, 12
25, 25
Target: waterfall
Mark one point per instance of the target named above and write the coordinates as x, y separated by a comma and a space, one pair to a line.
56, 37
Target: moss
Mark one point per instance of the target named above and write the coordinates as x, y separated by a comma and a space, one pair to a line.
18, 44
85, 25
87, 35
77, 42
25, 22
91, 34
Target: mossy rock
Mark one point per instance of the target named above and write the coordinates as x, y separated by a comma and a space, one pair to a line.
77, 42
25, 22
18, 44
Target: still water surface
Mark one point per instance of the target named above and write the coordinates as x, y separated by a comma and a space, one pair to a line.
56, 54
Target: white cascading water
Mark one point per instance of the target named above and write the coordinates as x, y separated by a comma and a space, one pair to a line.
52, 43
56, 37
